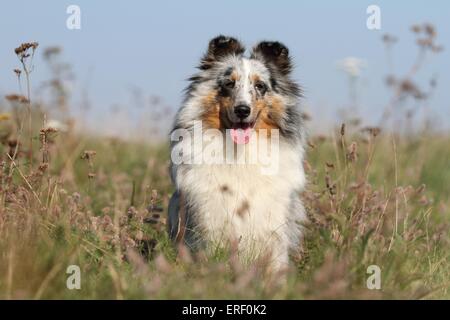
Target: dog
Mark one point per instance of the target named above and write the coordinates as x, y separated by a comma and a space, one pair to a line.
218, 204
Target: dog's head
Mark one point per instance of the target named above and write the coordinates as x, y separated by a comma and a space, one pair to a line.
239, 92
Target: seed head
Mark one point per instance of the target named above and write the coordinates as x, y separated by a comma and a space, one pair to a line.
23, 48
343, 129
88, 154
16, 98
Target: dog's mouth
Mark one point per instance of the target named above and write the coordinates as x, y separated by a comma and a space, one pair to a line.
243, 125
241, 131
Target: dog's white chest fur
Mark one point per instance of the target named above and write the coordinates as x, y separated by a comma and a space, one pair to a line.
238, 202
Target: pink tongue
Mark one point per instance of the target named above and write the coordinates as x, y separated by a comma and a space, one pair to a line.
241, 136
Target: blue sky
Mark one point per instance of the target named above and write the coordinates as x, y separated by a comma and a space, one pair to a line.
155, 45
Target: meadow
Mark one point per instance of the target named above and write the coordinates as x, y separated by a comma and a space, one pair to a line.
374, 197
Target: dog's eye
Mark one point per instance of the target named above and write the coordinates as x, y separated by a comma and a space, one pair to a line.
261, 87
229, 84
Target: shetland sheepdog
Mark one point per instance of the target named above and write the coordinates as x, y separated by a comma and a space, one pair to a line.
237, 147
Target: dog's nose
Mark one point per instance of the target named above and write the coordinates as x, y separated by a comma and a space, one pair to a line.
242, 111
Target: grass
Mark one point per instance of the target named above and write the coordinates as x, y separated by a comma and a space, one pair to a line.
84, 216
70, 198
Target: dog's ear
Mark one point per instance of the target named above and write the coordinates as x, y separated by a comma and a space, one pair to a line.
220, 47
273, 53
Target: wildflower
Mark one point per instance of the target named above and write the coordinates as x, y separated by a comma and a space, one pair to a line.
16, 98
425, 42
390, 80
389, 39
57, 125
5, 116
352, 66
351, 152
88, 154
306, 116
409, 87
373, 131
162, 264
436, 48
23, 48
343, 129
416, 28
430, 30
50, 51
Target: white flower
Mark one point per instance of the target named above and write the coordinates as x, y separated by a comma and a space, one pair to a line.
352, 66
56, 124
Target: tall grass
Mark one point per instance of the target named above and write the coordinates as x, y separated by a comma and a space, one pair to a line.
389, 211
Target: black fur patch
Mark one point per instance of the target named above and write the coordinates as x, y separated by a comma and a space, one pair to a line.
275, 53
293, 124
220, 47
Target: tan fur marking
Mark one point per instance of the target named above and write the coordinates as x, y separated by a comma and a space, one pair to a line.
243, 208
235, 76
255, 78
215, 107
271, 110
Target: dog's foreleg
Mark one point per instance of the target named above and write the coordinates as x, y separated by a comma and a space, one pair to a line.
177, 217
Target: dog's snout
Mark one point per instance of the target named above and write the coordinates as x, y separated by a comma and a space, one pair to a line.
242, 111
